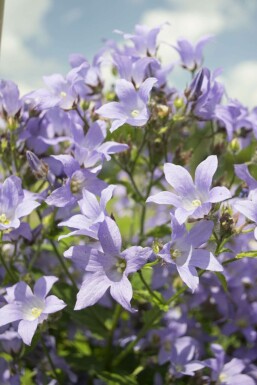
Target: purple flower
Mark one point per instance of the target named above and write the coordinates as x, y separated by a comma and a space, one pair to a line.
182, 360
132, 106
30, 309
191, 199
90, 149
14, 203
185, 252
229, 373
248, 207
60, 93
108, 268
93, 212
10, 103
77, 181
191, 56
144, 40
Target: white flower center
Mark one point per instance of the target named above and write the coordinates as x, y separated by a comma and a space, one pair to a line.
63, 94
175, 253
36, 312
4, 220
223, 377
135, 113
196, 202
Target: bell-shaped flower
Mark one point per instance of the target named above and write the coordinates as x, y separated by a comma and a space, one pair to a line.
108, 268
77, 180
132, 106
186, 253
92, 214
191, 199
15, 203
229, 373
29, 308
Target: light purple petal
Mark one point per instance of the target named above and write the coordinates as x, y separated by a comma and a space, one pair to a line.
205, 260
106, 195
200, 233
112, 148
93, 288
122, 293
181, 215
235, 366
70, 165
126, 93
53, 304
44, 285
10, 313
26, 330
247, 208
180, 179
193, 366
189, 275
95, 135
145, 89
242, 172
117, 123
112, 110
136, 257
26, 207
89, 205
204, 174
78, 221
241, 379
165, 198
219, 194
109, 237
61, 197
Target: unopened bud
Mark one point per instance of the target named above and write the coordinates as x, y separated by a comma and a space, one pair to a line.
163, 111
40, 169
234, 146
178, 103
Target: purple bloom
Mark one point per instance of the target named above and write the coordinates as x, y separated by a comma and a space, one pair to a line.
90, 149
28, 308
144, 40
78, 180
191, 56
132, 105
10, 103
182, 360
229, 373
108, 268
191, 199
186, 253
60, 93
93, 212
248, 207
14, 203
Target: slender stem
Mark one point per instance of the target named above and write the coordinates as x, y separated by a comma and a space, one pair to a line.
229, 261
151, 292
60, 258
8, 271
116, 317
50, 360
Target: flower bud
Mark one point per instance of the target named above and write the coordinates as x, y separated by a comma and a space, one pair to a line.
40, 169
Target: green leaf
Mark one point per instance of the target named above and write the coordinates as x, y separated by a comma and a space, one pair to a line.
117, 379
247, 254
159, 231
27, 378
222, 280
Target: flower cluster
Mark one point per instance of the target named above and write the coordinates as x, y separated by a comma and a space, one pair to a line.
141, 201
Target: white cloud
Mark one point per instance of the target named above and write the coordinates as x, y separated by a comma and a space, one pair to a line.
241, 82
23, 22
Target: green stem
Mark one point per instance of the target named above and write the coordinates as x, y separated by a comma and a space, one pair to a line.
116, 317
8, 271
151, 292
60, 258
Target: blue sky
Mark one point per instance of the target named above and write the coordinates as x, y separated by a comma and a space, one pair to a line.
39, 35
